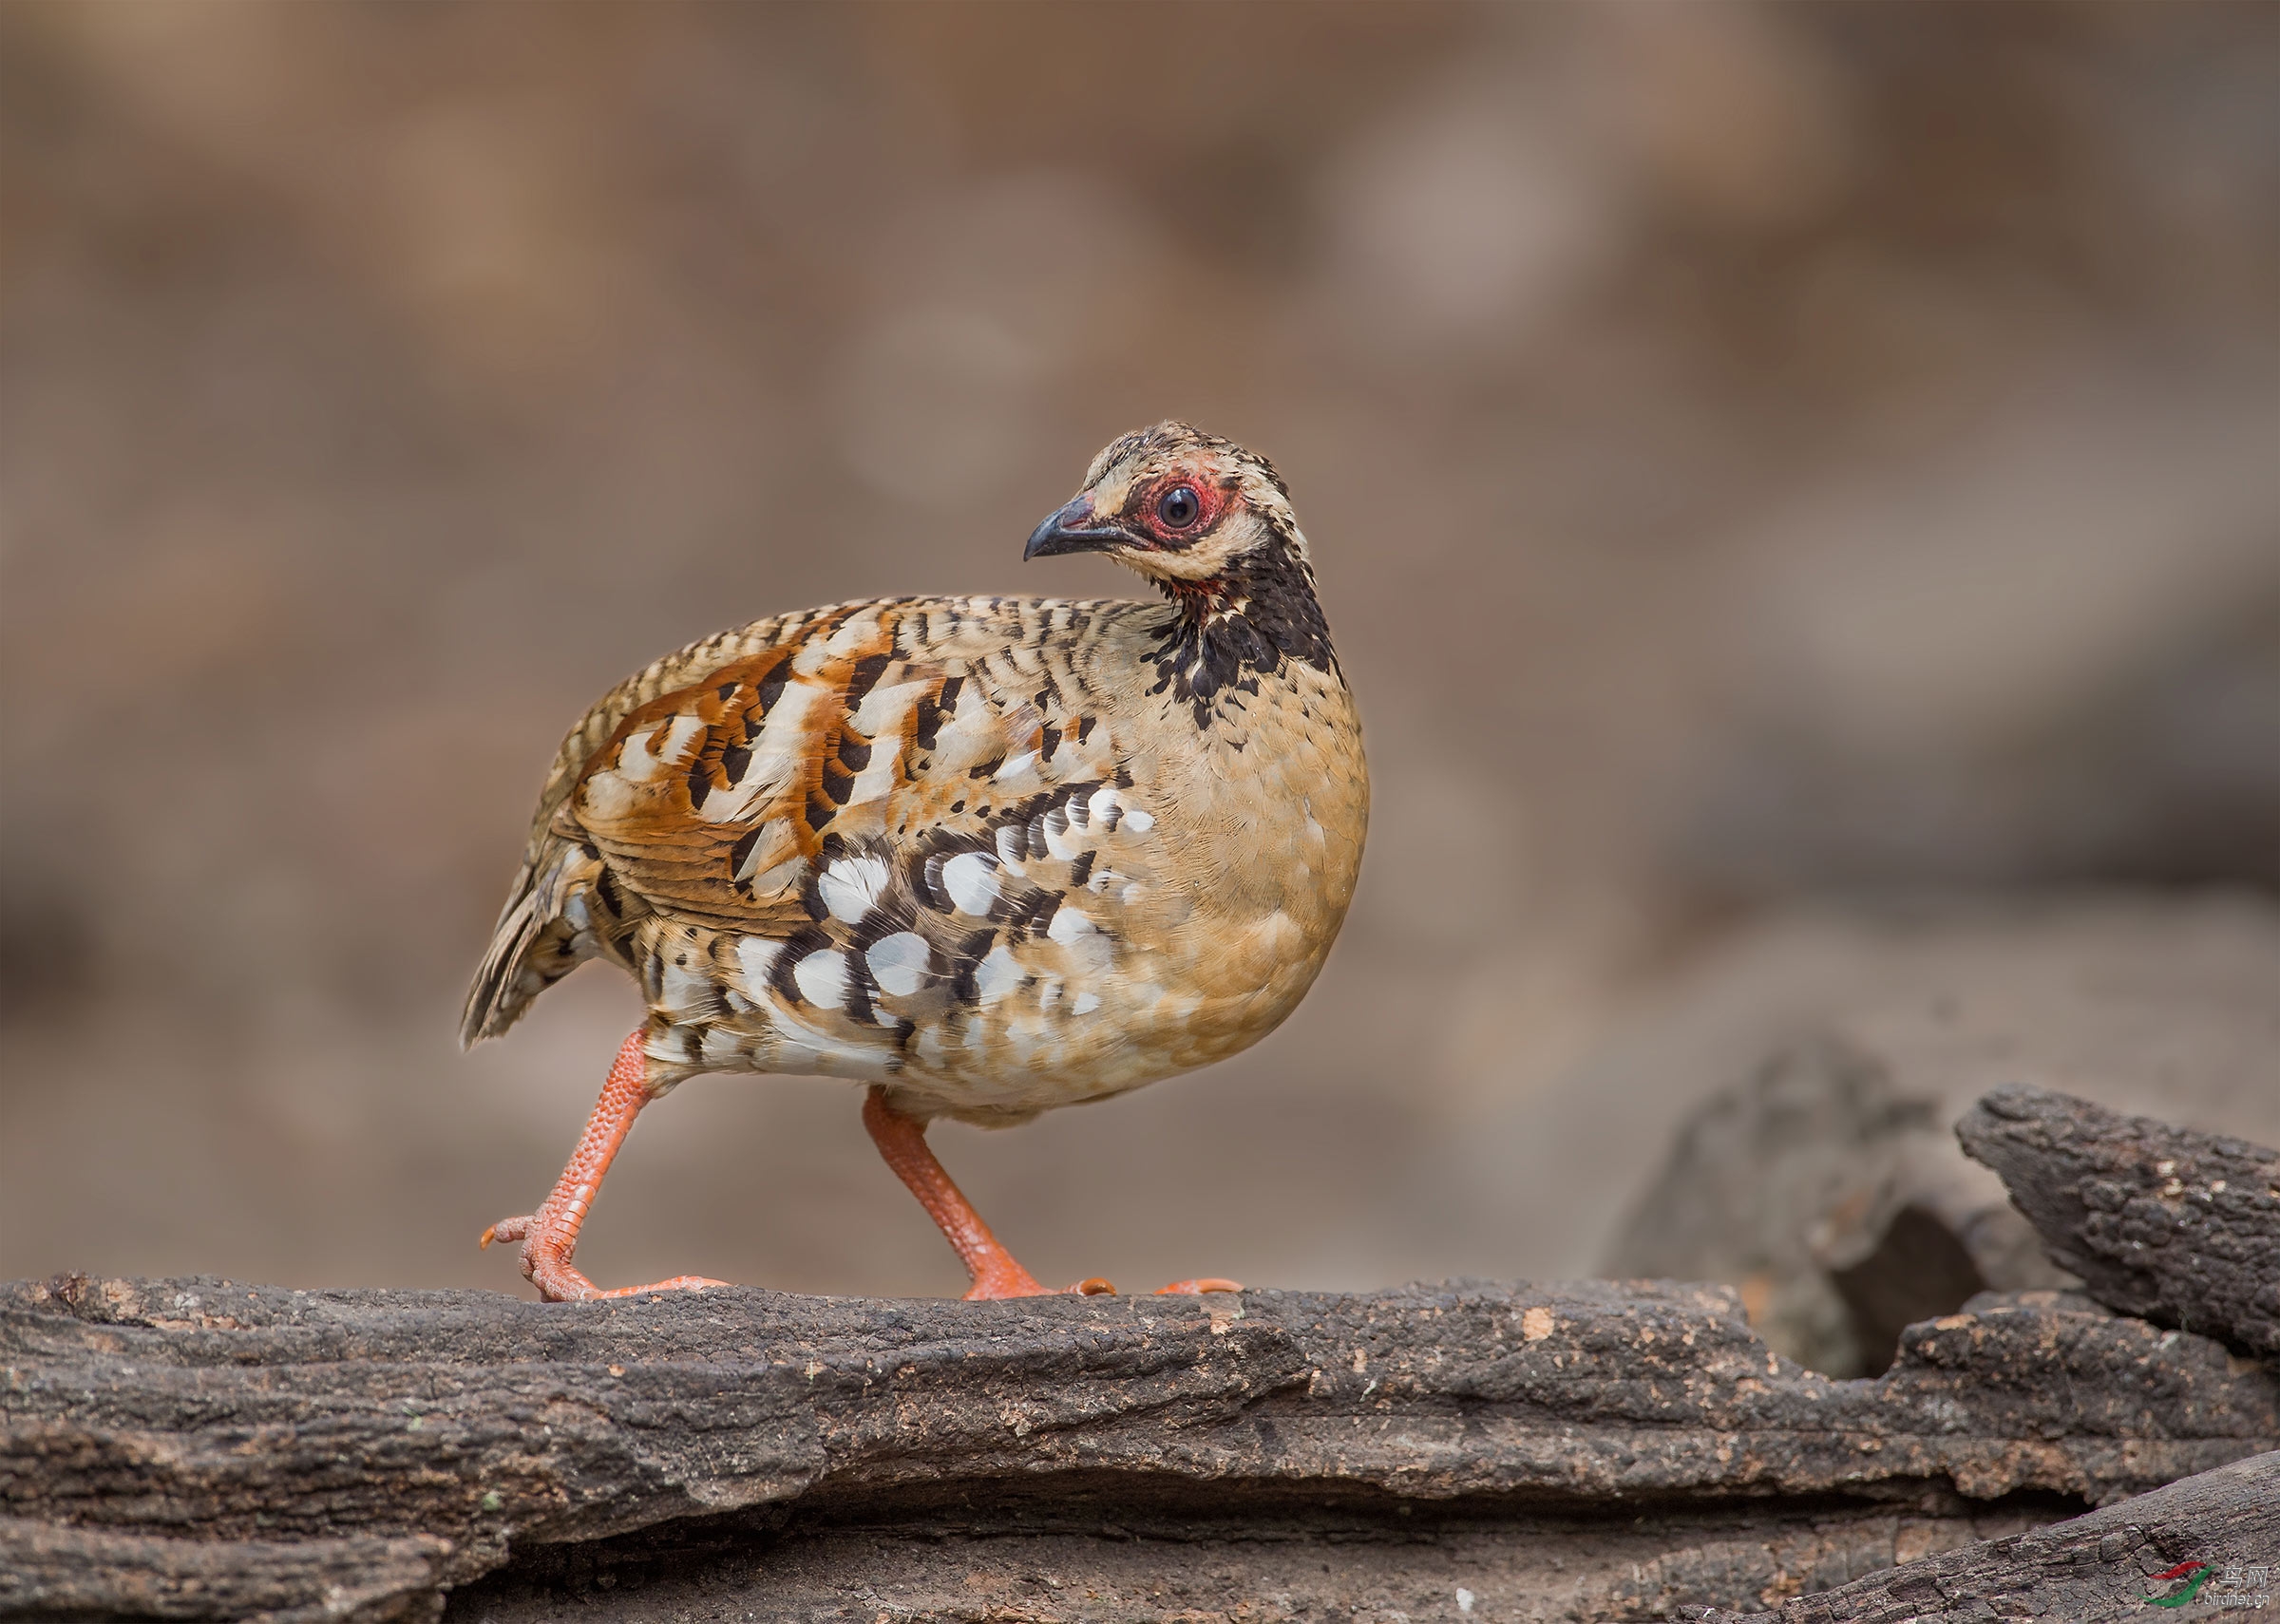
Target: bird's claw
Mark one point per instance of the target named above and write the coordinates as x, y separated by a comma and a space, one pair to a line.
546, 1265
1097, 1287
508, 1228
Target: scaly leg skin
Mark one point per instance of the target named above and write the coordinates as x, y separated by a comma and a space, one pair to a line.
902, 1141
549, 1235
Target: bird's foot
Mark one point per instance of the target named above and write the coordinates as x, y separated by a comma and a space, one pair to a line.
547, 1263
998, 1278
1009, 1279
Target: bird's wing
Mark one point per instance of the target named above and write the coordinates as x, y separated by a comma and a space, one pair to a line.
825, 786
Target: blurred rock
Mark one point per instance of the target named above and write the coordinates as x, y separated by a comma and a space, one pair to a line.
1910, 1268
1826, 1184
1819, 1188
1854, 1037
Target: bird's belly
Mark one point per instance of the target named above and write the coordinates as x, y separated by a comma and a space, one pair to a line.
1107, 935
1049, 1040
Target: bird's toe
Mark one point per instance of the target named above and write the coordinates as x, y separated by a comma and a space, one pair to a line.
678, 1283
508, 1229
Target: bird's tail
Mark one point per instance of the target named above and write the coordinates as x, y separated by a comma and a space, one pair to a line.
544, 931
495, 999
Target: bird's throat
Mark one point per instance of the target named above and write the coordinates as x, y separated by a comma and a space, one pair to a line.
1236, 629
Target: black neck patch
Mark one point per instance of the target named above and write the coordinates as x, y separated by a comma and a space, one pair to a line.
1231, 631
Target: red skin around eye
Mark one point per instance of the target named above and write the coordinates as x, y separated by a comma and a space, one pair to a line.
1210, 503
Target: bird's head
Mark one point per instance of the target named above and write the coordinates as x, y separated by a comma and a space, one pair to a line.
1184, 508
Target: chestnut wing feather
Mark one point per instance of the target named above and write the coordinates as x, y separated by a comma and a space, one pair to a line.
724, 802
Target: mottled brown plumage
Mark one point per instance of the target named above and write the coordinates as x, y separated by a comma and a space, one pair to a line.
990, 855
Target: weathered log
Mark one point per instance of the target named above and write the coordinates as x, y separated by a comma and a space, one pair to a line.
2087, 1570
1830, 1186
194, 1448
2177, 1227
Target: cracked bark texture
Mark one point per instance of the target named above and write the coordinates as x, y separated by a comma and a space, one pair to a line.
2177, 1227
201, 1449
2087, 1570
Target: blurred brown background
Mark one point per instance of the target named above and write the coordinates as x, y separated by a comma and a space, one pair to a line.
1794, 486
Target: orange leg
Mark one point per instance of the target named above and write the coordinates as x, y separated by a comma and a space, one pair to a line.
549, 1235
903, 1142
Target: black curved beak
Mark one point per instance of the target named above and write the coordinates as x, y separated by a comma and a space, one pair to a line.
1074, 529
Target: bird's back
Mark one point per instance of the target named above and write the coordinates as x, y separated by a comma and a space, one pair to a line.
991, 851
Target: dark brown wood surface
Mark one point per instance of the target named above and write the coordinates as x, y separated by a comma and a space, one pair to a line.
212, 1446
2177, 1227
201, 1448
2088, 1570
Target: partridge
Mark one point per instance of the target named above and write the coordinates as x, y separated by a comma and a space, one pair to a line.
987, 855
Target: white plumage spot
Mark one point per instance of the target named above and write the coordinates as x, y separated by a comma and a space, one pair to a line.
822, 977
767, 852
607, 795
721, 1045
1084, 1003
1138, 821
972, 882
758, 955
885, 706
1017, 765
1056, 838
899, 963
785, 876
682, 989
970, 739
679, 733
667, 751
637, 761
877, 780
997, 975
1068, 926
1102, 803
1012, 841
858, 633
779, 756
852, 886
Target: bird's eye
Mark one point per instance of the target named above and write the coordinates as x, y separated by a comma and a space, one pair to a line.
1178, 508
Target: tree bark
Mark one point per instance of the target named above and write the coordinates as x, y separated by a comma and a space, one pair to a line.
2177, 1227
198, 1448
2088, 1570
